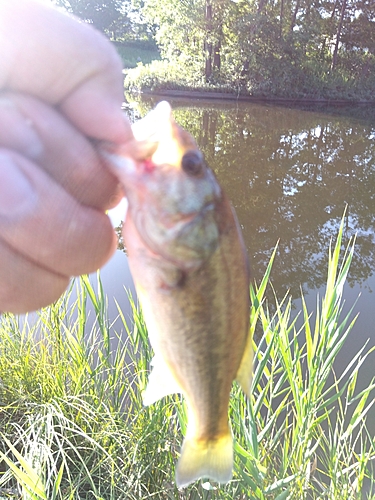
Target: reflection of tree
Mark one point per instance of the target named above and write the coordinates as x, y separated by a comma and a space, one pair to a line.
290, 174
120, 238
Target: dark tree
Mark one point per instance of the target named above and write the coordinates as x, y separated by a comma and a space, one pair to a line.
104, 15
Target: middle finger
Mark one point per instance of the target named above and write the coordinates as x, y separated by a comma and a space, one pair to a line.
39, 132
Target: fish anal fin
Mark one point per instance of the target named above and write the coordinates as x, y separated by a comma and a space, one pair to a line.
161, 382
211, 459
245, 371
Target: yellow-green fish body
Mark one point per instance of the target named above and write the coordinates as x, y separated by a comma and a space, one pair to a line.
190, 269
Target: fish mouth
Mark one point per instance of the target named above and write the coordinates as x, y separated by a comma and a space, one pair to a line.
152, 127
130, 158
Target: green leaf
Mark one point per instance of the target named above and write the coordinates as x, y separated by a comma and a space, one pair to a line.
28, 478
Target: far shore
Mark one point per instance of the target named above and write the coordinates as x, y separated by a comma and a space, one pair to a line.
198, 94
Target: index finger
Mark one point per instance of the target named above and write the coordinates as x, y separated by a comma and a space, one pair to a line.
66, 63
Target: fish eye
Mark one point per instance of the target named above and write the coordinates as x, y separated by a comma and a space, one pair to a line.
193, 163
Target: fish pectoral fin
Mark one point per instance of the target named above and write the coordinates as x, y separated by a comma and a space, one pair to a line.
211, 459
245, 371
161, 382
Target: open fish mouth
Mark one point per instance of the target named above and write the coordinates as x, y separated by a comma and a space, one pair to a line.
152, 127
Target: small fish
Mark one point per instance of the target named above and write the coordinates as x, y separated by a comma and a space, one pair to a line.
190, 269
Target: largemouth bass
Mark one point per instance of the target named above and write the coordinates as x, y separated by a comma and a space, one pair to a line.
190, 269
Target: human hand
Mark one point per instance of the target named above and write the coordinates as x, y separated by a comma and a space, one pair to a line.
60, 91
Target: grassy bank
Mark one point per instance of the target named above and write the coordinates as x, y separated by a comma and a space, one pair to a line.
163, 76
73, 425
133, 53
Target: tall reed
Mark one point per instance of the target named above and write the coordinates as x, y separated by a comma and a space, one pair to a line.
73, 425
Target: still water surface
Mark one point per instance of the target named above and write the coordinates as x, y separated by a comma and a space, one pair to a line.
290, 174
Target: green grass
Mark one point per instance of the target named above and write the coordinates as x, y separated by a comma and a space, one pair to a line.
314, 82
132, 55
73, 426
161, 75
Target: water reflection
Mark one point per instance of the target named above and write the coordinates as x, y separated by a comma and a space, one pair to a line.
290, 174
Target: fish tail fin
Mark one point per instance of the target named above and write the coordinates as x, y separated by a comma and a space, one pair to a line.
212, 459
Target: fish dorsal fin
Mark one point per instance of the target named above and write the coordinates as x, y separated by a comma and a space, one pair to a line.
161, 382
245, 371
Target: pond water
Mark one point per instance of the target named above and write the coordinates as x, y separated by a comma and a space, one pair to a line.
290, 173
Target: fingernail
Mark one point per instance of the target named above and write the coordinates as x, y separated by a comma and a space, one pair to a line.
15, 188
17, 130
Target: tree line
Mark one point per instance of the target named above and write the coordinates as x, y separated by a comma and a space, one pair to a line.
119, 19
268, 45
257, 41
